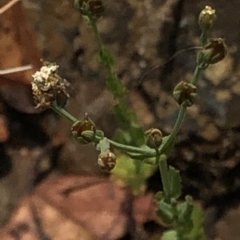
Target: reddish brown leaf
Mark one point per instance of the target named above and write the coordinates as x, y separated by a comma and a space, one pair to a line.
18, 47
36, 220
93, 203
18, 44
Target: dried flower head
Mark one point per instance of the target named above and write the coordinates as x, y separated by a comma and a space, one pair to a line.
48, 87
214, 52
90, 8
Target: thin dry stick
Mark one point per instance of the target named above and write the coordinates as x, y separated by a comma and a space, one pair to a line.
15, 69
8, 6
162, 64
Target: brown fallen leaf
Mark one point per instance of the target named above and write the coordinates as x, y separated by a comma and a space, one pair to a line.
18, 47
90, 204
36, 220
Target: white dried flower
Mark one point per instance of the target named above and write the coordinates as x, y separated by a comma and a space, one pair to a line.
49, 87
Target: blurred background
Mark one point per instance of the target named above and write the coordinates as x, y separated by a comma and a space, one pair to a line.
40, 159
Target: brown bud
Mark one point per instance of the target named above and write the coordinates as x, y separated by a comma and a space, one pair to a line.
90, 8
79, 127
153, 138
214, 52
207, 18
107, 161
185, 92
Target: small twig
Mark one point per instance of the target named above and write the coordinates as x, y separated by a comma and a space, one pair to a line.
15, 69
8, 6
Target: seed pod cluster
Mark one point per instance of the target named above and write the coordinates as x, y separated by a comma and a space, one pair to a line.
185, 92
153, 138
214, 52
107, 161
79, 127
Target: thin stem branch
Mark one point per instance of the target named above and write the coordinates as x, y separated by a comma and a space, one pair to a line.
205, 37
97, 36
181, 114
127, 148
176, 128
63, 112
100, 46
196, 75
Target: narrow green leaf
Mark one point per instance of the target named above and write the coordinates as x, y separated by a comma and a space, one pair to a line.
127, 118
175, 183
137, 135
185, 210
197, 231
165, 212
123, 114
115, 86
106, 57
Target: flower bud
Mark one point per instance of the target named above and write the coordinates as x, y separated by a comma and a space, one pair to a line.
185, 92
153, 138
90, 8
214, 52
107, 161
79, 127
207, 18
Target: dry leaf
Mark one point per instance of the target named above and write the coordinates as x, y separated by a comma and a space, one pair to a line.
96, 205
18, 47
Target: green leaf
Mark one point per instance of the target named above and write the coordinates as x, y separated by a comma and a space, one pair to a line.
103, 146
124, 115
115, 86
165, 212
185, 210
197, 232
137, 135
133, 173
175, 182
170, 235
105, 57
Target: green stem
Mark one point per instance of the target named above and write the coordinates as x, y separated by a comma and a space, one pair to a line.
176, 128
101, 50
181, 114
127, 148
205, 37
196, 75
163, 167
97, 36
63, 112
